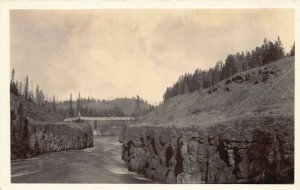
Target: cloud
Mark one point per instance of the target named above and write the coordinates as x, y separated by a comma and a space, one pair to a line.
118, 53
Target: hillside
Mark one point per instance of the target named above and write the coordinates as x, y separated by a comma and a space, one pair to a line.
40, 113
126, 105
263, 91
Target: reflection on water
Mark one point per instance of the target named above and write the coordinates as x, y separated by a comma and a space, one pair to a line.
99, 164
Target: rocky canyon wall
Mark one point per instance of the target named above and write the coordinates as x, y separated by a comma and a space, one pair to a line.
252, 150
29, 137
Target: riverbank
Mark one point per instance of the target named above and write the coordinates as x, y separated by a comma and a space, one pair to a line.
99, 164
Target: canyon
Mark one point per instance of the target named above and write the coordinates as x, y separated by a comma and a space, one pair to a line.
250, 150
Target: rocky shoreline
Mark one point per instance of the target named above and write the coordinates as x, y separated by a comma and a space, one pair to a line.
30, 137
60, 136
251, 150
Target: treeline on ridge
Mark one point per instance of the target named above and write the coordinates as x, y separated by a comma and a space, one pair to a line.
234, 63
39, 98
83, 105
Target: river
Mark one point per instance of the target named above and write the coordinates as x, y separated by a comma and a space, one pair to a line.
99, 164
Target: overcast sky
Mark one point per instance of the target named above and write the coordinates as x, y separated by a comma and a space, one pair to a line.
121, 53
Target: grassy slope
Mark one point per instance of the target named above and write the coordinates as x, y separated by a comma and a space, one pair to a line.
128, 106
33, 112
275, 96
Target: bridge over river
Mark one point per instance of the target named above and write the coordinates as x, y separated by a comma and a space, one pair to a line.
105, 126
100, 119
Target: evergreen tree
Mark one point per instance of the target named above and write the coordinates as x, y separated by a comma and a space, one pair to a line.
78, 104
20, 88
12, 76
26, 93
137, 108
37, 95
20, 145
41, 97
54, 104
186, 88
71, 106
13, 84
292, 52
279, 48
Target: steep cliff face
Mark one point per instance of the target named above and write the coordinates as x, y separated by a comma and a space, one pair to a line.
48, 137
29, 137
251, 150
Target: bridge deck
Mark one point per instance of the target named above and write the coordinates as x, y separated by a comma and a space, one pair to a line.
101, 118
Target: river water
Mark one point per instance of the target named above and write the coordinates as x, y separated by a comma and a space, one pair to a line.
99, 164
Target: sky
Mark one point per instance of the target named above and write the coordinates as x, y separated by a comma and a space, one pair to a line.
108, 54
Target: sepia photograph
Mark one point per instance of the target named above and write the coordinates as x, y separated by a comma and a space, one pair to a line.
152, 96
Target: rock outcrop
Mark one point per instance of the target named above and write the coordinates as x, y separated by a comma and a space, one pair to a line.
252, 150
29, 137
48, 137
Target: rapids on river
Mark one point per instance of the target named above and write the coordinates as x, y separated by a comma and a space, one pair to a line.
99, 164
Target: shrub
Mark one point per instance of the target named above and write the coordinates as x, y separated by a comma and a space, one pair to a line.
227, 89
228, 81
247, 77
238, 79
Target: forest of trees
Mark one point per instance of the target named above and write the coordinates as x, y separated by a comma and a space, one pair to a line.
86, 111
40, 99
234, 63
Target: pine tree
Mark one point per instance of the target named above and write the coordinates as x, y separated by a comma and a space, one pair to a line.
71, 106
292, 52
137, 108
20, 88
22, 146
12, 76
186, 88
14, 85
26, 93
78, 104
54, 104
37, 95
279, 48
41, 97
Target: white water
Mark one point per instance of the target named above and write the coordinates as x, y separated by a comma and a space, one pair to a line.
99, 164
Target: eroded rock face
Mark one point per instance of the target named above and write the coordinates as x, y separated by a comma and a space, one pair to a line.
49, 137
254, 150
60, 136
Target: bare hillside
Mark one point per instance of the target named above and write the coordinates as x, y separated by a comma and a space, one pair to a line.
266, 90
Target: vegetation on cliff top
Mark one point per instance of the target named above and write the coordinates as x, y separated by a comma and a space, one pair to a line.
234, 63
265, 90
